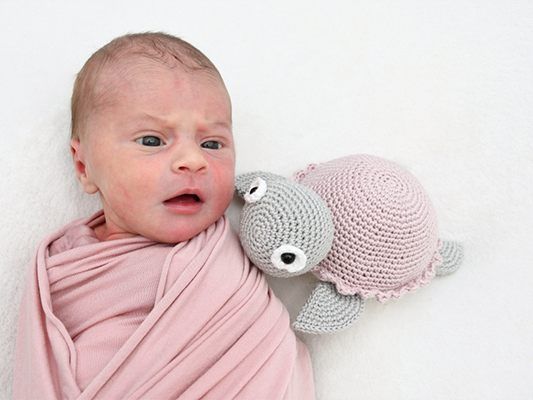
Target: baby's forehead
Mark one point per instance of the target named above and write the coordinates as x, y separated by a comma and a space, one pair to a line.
116, 75
120, 75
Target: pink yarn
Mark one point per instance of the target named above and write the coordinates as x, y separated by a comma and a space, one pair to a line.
386, 240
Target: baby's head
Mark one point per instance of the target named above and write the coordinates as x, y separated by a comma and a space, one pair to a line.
151, 121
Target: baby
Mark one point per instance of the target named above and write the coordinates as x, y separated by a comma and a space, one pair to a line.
152, 297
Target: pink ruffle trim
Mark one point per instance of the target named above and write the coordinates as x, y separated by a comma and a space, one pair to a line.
382, 296
299, 175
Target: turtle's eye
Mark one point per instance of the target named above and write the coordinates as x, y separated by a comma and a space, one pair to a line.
256, 191
289, 258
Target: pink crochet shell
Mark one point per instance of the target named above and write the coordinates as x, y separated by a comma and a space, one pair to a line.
386, 241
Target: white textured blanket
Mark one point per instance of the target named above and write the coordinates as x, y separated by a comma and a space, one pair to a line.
443, 88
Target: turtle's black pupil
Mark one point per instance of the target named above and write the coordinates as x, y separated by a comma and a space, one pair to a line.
288, 258
252, 190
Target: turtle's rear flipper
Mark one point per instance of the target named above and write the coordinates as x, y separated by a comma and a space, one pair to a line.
328, 311
452, 255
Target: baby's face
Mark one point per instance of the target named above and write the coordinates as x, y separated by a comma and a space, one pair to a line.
163, 133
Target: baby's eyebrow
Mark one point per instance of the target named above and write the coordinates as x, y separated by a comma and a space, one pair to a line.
145, 116
164, 121
219, 124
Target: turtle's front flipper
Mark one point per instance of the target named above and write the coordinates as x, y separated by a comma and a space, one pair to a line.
328, 311
452, 256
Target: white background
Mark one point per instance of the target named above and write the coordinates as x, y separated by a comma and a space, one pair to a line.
444, 88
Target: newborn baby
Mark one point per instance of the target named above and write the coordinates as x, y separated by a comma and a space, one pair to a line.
152, 296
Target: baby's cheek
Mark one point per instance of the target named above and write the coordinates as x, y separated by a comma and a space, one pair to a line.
127, 183
224, 180
118, 195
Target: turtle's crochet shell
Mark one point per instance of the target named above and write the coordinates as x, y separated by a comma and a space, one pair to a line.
386, 240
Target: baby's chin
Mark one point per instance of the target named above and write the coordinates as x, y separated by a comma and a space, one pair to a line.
179, 234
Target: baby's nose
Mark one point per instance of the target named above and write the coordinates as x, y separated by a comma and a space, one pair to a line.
189, 159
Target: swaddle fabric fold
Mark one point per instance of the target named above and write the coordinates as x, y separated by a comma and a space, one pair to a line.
135, 319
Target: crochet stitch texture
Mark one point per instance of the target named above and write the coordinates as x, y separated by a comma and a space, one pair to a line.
288, 214
389, 243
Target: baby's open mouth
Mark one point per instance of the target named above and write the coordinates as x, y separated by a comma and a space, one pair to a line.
186, 198
185, 203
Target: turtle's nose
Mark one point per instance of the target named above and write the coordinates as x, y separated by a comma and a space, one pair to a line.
288, 258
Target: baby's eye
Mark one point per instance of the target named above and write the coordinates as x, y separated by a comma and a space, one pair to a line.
212, 144
151, 141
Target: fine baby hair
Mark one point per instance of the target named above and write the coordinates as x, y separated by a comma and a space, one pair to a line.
362, 224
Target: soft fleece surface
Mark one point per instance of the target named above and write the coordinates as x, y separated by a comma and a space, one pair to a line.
444, 88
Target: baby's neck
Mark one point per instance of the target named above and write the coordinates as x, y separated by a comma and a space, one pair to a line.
102, 235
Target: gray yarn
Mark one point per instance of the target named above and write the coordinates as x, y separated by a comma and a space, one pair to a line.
243, 181
452, 254
328, 311
288, 214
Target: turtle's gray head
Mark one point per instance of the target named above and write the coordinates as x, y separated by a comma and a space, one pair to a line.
285, 228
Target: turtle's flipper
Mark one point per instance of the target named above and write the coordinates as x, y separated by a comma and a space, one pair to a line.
452, 255
328, 311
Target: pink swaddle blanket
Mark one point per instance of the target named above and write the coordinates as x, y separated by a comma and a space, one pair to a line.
135, 319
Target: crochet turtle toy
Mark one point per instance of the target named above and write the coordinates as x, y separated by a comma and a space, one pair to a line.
362, 224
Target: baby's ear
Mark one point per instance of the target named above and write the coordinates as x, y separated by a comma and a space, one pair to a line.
243, 181
78, 157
